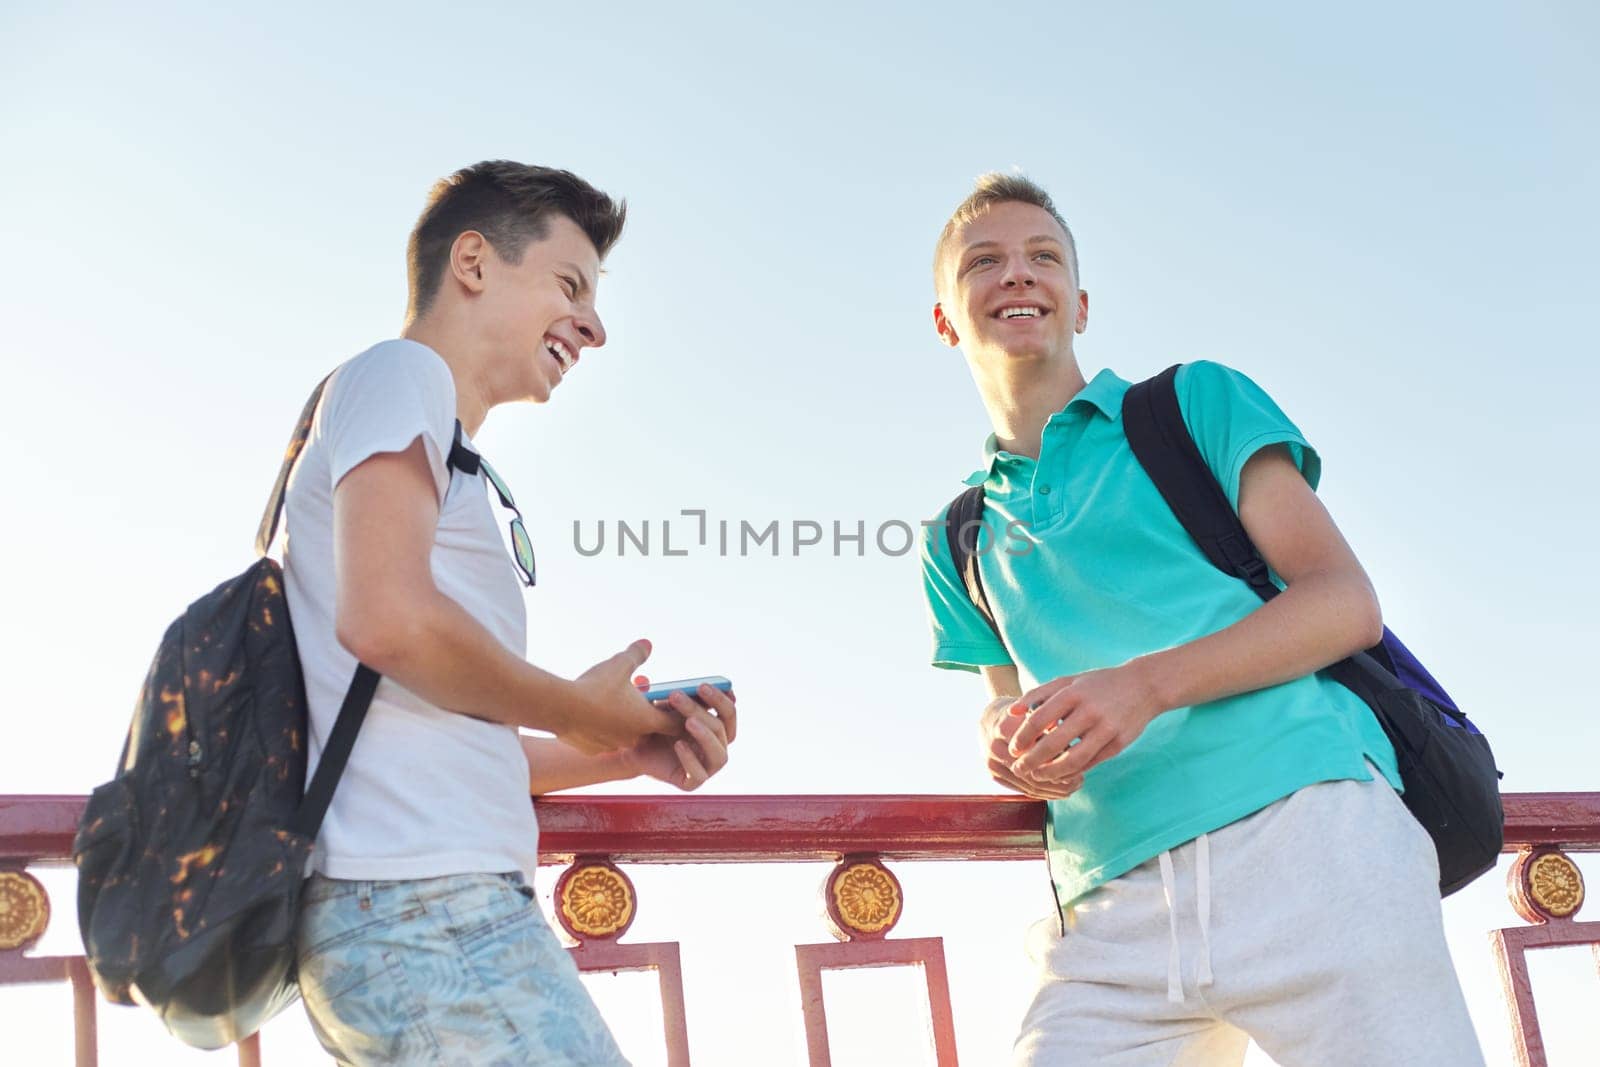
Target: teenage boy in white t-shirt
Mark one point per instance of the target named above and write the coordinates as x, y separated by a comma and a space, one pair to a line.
419, 939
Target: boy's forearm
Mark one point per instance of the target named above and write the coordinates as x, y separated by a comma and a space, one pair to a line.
1318, 620
448, 658
554, 765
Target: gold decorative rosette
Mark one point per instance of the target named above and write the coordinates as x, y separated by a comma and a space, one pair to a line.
594, 900
1555, 884
1545, 885
24, 909
863, 898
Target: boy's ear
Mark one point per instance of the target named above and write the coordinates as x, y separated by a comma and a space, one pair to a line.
941, 323
468, 255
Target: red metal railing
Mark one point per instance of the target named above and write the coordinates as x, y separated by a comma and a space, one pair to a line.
595, 899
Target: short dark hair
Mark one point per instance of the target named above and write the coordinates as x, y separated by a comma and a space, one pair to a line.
510, 204
997, 187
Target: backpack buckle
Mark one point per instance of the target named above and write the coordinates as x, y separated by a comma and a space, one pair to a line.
1254, 570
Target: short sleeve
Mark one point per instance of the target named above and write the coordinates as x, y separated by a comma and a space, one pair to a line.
962, 639
1231, 418
383, 400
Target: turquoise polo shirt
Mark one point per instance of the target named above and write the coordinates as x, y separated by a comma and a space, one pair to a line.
1088, 568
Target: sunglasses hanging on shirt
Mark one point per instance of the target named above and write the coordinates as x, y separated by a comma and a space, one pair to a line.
522, 546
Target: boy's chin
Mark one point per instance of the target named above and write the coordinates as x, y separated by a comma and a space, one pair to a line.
1025, 353
539, 391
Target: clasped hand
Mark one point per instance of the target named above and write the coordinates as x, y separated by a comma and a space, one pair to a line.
1043, 742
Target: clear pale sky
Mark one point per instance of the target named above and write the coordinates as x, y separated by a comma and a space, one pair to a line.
1384, 213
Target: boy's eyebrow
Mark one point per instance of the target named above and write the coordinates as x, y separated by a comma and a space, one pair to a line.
1035, 239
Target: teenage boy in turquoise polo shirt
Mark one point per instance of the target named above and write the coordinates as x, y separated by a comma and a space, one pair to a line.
1229, 856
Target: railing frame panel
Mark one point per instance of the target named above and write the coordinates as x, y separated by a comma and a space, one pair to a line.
661, 957
924, 952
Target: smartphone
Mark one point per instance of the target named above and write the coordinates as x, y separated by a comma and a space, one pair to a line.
663, 690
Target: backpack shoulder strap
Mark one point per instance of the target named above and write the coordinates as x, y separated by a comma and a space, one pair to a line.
336, 753
1160, 439
268, 528
962, 522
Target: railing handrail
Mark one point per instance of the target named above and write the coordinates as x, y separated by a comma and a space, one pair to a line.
780, 828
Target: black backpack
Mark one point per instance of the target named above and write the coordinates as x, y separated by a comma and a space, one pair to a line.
1451, 784
190, 861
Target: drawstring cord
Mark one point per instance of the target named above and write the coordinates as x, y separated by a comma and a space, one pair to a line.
1202, 892
1169, 885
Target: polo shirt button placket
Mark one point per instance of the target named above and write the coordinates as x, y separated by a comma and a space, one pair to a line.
1051, 513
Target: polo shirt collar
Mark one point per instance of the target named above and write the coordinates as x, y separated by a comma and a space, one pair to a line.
1104, 393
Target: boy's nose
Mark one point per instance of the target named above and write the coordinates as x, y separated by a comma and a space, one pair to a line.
592, 331
1018, 273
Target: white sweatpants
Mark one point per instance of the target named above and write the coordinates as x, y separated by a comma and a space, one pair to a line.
1312, 926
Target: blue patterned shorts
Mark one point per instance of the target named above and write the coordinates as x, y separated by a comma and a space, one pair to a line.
455, 970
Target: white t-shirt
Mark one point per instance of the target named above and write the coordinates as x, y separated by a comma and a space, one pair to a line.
427, 792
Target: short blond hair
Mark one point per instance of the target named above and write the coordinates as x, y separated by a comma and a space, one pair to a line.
998, 187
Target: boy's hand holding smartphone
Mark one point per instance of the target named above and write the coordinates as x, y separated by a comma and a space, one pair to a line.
710, 721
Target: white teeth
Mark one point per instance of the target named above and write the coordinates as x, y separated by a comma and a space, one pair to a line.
1021, 313
562, 354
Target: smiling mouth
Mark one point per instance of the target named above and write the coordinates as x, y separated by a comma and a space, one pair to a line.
565, 357
1029, 311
